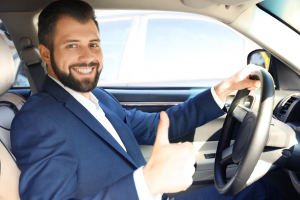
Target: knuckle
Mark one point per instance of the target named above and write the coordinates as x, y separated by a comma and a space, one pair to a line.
188, 147
193, 170
188, 183
193, 159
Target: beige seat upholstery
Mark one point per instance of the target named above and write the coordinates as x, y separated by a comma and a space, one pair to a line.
9, 178
9, 105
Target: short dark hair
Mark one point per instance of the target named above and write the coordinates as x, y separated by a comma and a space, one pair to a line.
79, 10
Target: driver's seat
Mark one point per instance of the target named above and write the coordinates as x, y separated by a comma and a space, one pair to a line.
9, 105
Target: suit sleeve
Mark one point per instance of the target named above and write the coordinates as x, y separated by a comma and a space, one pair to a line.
48, 162
184, 118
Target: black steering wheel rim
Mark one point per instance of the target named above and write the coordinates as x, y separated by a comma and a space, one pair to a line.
258, 140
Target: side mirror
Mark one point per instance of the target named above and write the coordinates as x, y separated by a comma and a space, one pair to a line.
259, 57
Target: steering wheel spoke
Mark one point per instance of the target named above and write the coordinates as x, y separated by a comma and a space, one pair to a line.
240, 113
227, 156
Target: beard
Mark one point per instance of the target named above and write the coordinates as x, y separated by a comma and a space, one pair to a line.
69, 80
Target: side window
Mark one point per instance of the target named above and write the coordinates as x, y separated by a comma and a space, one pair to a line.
192, 53
20, 77
113, 36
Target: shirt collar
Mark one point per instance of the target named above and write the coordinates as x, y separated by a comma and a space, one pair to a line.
87, 103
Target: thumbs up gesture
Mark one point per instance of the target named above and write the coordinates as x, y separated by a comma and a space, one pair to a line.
171, 166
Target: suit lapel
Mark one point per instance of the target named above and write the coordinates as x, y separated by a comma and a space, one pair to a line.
84, 115
126, 136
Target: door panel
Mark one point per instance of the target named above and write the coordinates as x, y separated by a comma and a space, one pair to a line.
204, 138
205, 166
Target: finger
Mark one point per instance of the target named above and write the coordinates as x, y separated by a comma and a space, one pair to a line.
248, 83
251, 83
189, 171
257, 84
189, 168
162, 136
191, 160
189, 147
251, 68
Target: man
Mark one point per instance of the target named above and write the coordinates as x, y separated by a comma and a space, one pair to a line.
75, 141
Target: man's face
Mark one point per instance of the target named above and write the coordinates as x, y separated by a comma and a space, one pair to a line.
76, 59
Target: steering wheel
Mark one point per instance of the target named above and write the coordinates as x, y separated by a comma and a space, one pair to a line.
252, 136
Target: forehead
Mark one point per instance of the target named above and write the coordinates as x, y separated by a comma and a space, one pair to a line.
68, 28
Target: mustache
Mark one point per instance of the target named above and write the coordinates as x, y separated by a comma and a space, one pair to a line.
91, 64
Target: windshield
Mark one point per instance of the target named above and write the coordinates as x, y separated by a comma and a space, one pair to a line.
286, 11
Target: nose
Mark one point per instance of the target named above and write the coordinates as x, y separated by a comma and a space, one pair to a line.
86, 55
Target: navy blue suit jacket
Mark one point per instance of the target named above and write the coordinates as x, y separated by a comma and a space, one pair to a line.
65, 153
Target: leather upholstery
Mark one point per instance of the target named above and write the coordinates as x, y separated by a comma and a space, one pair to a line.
7, 114
10, 173
9, 104
7, 70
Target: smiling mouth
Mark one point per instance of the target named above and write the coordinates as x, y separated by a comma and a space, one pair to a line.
84, 70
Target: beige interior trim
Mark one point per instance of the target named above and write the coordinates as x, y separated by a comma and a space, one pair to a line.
134, 104
264, 30
205, 167
215, 9
13, 98
9, 179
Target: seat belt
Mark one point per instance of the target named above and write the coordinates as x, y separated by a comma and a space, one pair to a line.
33, 64
37, 73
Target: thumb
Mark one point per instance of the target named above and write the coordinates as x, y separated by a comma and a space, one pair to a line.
162, 136
252, 83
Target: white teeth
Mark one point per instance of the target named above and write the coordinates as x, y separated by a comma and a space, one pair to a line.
84, 71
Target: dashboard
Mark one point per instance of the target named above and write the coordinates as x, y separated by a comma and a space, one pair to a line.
288, 111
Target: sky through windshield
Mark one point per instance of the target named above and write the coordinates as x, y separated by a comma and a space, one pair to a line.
286, 10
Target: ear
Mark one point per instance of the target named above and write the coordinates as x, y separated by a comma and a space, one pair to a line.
45, 53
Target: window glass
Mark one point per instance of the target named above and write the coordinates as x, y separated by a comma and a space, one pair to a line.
288, 11
181, 52
20, 79
168, 49
113, 36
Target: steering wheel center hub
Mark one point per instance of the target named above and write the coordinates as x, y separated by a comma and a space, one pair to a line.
244, 136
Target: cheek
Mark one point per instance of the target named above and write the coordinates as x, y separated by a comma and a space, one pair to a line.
65, 60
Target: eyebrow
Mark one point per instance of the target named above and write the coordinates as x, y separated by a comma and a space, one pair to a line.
70, 41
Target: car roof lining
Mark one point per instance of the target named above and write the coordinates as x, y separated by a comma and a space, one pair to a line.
224, 10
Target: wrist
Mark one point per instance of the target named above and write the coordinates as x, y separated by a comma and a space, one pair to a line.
223, 89
151, 181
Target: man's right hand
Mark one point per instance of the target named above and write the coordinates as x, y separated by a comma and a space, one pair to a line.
171, 166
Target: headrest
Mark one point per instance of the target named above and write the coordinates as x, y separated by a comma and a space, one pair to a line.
7, 69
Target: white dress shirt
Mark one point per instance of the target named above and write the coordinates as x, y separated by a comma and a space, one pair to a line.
93, 107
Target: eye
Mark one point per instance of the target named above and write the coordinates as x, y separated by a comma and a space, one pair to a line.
94, 45
71, 46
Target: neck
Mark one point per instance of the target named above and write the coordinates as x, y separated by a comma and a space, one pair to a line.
86, 94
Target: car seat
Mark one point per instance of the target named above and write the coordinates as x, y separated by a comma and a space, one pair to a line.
10, 104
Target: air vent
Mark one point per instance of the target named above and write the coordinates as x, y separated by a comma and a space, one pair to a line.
287, 105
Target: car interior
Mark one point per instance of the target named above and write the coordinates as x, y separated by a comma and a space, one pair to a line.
276, 105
